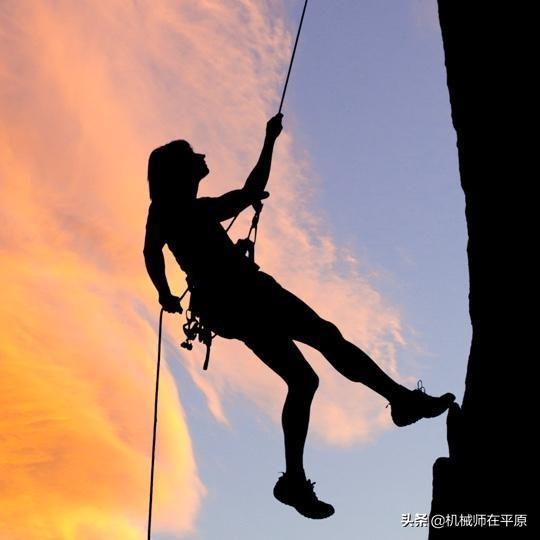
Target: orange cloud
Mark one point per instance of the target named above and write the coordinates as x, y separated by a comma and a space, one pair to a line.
76, 391
88, 89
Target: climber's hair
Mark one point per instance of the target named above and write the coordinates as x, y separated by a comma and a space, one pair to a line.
167, 165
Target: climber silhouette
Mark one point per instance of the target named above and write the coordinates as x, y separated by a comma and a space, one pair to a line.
234, 298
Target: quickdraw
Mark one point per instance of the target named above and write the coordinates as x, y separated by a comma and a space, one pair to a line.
195, 329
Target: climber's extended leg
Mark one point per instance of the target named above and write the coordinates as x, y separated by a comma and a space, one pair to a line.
407, 406
284, 358
303, 324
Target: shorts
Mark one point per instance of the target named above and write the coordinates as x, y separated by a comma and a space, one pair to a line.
258, 306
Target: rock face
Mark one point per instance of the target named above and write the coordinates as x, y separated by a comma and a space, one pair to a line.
489, 471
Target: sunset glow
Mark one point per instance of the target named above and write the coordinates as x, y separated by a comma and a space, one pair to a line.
88, 89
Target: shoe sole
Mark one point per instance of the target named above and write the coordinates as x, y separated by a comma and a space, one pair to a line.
292, 505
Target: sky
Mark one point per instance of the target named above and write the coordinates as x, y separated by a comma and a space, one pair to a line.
365, 222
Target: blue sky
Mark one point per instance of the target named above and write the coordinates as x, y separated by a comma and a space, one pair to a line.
368, 101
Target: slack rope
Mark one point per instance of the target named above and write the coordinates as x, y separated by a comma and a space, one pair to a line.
155, 428
151, 498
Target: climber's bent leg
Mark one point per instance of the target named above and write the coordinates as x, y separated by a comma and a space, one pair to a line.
284, 358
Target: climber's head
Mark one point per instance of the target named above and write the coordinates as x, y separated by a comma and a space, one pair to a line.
174, 172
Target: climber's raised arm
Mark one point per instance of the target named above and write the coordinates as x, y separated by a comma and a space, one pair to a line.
257, 180
230, 204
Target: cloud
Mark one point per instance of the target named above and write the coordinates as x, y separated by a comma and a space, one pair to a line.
88, 89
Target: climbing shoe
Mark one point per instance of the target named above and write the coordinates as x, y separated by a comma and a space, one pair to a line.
299, 493
415, 404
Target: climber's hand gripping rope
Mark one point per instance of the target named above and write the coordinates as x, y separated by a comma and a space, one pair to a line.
170, 303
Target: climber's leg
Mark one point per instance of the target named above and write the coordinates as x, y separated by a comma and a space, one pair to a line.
302, 323
284, 358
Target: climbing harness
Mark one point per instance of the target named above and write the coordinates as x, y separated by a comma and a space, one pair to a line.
194, 328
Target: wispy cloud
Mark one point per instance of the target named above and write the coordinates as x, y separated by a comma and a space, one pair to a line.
88, 89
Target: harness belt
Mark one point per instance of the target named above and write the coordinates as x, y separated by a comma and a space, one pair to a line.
195, 328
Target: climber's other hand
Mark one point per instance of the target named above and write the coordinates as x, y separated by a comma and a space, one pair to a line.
170, 303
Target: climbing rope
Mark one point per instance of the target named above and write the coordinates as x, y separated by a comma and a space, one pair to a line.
193, 327
292, 57
155, 427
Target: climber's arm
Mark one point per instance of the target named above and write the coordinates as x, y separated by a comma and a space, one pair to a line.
155, 266
229, 204
257, 180
233, 202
